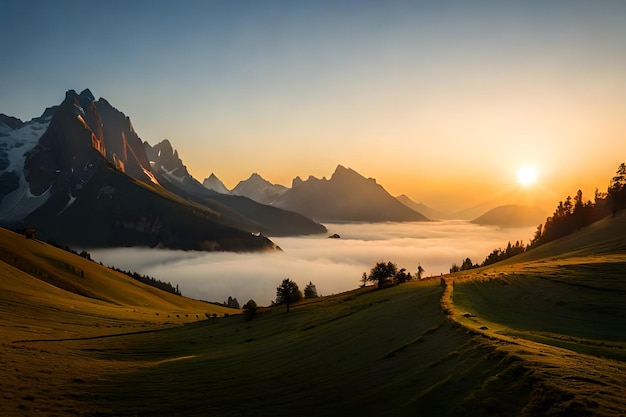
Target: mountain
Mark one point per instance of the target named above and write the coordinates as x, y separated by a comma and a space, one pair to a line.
469, 213
346, 196
16, 139
512, 215
215, 184
236, 211
259, 189
422, 208
82, 176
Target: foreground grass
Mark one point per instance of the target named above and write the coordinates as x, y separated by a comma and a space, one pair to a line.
370, 352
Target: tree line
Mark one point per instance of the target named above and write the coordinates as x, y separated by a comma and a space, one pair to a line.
570, 215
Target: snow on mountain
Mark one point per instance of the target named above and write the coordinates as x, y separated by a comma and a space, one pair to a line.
259, 189
215, 184
17, 139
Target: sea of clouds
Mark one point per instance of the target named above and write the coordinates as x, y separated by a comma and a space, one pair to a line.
333, 265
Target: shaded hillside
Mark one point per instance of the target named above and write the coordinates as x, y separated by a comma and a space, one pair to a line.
235, 210
511, 215
48, 170
40, 277
421, 208
115, 210
346, 196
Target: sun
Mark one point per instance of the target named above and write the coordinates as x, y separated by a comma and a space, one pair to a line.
526, 175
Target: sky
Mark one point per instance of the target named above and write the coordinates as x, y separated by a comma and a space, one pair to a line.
440, 100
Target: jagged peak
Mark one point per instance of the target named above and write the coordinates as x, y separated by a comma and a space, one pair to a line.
10, 121
343, 172
164, 148
86, 94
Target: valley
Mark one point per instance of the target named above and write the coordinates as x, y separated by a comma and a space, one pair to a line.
518, 338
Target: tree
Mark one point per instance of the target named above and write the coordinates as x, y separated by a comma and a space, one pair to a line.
249, 309
287, 293
467, 263
364, 279
420, 271
402, 276
232, 302
310, 291
382, 272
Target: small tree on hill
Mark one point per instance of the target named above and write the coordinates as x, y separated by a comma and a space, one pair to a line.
382, 272
402, 276
249, 309
364, 280
287, 293
310, 291
420, 271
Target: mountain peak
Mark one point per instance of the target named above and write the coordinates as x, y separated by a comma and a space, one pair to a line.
215, 184
343, 173
86, 94
347, 196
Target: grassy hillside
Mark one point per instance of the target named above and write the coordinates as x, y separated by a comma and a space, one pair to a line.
539, 335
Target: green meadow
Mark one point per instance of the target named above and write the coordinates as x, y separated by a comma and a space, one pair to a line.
543, 333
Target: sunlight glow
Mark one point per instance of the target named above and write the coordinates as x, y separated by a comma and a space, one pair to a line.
526, 175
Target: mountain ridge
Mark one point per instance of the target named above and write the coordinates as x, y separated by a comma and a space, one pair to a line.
82, 139
346, 196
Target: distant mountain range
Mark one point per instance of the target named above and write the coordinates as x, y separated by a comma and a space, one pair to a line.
431, 213
81, 175
259, 189
512, 216
346, 197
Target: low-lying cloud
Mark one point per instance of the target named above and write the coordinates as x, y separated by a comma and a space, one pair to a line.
333, 265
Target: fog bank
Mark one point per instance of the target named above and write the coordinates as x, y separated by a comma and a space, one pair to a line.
333, 265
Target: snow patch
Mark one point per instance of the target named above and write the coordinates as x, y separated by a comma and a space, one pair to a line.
69, 203
21, 202
16, 143
170, 175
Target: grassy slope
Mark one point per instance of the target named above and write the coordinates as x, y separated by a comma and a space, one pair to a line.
50, 294
529, 337
562, 305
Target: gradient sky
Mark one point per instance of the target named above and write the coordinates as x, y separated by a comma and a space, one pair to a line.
440, 100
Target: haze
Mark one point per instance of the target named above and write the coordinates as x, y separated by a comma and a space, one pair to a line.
442, 101
333, 265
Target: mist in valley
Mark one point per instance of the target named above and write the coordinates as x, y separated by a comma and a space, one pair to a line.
333, 265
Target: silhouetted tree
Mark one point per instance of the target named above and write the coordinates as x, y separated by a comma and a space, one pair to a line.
382, 272
467, 263
420, 271
310, 291
232, 303
287, 293
249, 309
364, 279
454, 268
402, 276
